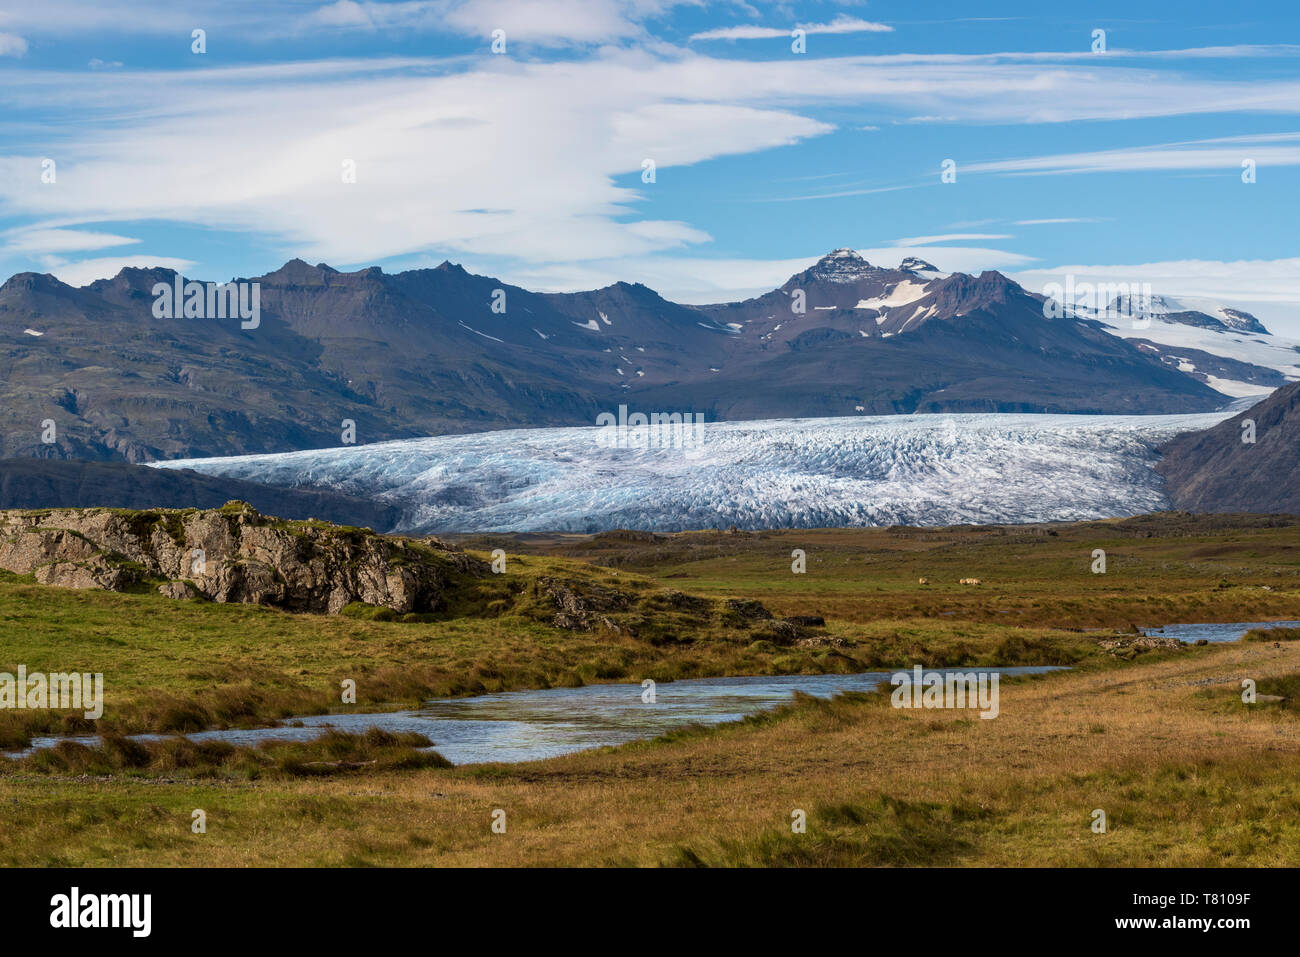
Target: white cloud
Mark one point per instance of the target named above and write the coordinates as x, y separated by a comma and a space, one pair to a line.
1053, 222
516, 160
547, 22
12, 45
86, 271
39, 241
492, 156
841, 24
948, 238
1196, 155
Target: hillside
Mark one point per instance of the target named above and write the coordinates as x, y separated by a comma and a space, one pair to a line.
1216, 471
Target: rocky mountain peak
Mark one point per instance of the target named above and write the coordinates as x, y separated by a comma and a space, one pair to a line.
841, 265
1241, 321
913, 264
299, 272
34, 282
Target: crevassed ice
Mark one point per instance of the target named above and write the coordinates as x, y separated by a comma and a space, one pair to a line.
804, 473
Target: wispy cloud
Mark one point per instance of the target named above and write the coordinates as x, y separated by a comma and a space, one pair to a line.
949, 238
1224, 154
85, 271
1054, 222
546, 22
841, 24
833, 194
39, 241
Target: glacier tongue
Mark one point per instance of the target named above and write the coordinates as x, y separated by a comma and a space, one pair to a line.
802, 473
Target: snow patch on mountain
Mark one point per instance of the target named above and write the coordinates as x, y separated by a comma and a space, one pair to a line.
920, 267
1153, 306
900, 295
1271, 352
802, 473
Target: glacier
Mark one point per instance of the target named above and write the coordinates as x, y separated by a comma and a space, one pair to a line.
942, 469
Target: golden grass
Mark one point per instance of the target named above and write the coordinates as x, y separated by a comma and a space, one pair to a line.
1186, 774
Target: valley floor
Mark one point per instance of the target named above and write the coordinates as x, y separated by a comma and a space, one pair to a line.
1158, 740
1185, 774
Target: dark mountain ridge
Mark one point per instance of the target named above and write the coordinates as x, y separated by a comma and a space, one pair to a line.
442, 350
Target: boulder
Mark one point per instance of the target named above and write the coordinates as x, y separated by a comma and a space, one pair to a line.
579, 607
807, 621
177, 590
748, 609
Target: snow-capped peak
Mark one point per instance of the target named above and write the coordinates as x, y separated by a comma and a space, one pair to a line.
1237, 319
841, 265
1144, 305
913, 264
1196, 312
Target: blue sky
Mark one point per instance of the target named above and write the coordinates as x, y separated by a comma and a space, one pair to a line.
528, 164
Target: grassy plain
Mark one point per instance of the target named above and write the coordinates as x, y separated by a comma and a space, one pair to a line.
1159, 740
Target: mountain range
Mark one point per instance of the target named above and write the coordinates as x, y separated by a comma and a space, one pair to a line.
441, 350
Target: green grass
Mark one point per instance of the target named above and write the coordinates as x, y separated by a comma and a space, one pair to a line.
1187, 773
189, 665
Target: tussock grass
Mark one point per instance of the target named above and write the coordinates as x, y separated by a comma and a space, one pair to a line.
1272, 634
334, 752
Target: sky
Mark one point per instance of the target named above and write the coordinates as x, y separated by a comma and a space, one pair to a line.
699, 148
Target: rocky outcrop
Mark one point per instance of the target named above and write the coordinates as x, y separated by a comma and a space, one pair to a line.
747, 609
232, 554
1123, 644
582, 606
